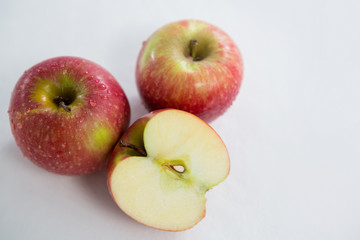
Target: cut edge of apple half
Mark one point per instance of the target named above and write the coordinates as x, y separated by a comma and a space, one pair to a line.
166, 188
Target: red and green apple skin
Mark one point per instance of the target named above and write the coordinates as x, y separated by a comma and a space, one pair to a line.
145, 181
74, 137
204, 80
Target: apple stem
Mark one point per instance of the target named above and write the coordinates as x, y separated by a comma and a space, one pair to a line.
141, 151
63, 105
61, 102
193, 47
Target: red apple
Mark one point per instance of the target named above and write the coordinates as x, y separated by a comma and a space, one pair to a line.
162, 167
67, 114
189, 65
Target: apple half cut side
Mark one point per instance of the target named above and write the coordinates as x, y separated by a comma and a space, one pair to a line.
162, 167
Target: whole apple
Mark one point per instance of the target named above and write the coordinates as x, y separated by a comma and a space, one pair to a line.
163, 166
66, 115
189, 65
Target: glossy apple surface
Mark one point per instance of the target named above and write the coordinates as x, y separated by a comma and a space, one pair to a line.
162, 167
190, 65
67, 114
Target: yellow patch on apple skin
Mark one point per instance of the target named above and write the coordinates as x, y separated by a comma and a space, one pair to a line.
118, 158
100, 137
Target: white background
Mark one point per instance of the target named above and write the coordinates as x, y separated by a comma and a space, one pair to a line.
292, 133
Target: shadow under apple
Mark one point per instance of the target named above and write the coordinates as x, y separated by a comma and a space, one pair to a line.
94, 186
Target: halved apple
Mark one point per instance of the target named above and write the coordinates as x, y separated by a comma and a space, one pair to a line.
162, 167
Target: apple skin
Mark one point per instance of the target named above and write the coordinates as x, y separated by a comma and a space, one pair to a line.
74, 142
134, 136
168, 77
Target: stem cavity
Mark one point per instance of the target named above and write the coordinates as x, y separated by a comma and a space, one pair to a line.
137, 149
61, 102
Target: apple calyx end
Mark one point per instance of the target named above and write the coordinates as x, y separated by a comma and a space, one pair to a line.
139, 150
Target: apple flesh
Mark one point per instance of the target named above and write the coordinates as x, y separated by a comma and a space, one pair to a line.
189, 65
66, 115
162, 167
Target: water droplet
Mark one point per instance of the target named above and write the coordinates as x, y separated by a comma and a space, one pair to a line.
116, 93
18, 115
81, 120
92, 103
19, 125
104, 97
102, 86
62, 65
108, 91
63, 145
97, 80
54, 64
41, 70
